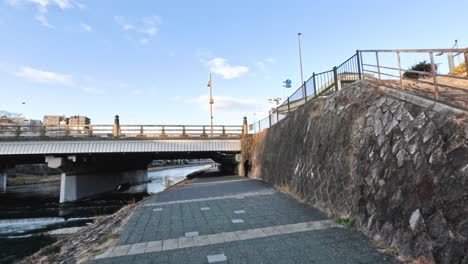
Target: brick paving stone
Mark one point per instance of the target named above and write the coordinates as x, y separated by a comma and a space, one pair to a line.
137, 249
169, 244
153, 246
276, 229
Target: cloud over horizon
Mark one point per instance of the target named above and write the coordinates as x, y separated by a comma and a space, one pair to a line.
221, 67
44, 77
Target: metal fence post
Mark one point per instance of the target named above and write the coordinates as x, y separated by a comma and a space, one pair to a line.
434, 76
335, 76
305, 92
315, 85
359, 64
399, 70
378, 64
269, 120
289, 109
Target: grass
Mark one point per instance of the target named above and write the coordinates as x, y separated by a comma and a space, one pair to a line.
346, 222
460, 70
285, 188
391, 251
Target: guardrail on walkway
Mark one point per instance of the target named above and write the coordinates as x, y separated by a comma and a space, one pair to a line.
122, 131
378, 65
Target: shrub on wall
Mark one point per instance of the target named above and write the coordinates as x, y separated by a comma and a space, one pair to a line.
459, 70
422, 66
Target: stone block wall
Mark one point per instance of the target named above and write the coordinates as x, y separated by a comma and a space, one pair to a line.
398, 167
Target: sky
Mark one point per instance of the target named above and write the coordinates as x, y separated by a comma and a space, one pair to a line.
149, 61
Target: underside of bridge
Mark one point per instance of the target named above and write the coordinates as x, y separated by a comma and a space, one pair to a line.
94, 166
87, 175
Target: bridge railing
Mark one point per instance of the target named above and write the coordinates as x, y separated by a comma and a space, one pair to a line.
121, 131
389, 67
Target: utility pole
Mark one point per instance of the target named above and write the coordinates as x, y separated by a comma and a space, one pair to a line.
300, 63
211, 105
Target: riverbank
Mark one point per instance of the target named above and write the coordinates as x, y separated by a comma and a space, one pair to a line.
78, 246
160, 168
24, 179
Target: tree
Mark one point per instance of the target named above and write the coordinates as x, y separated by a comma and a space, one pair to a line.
6, 114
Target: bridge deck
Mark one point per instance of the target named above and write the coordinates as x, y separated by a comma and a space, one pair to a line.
117, 146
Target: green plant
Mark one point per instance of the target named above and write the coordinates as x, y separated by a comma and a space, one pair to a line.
391, 251
346, 222
422, 66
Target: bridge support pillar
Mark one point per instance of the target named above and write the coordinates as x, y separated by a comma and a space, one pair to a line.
3, 180
80, 186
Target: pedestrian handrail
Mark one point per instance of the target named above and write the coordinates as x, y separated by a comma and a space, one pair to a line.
370, 64
135, 131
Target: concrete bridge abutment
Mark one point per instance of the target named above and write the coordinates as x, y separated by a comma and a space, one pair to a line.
74, 187
3, 181
85, 177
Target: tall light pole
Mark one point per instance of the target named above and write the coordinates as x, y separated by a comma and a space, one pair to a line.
300, 62
211, 106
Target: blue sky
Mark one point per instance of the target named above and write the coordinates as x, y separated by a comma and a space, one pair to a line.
149, 61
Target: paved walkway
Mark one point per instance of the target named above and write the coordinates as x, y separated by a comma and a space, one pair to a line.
235, 220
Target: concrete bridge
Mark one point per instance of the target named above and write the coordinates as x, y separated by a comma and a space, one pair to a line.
98, 158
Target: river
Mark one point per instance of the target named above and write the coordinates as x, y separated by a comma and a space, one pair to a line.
30, 213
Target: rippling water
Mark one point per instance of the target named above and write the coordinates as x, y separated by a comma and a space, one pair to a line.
29, 212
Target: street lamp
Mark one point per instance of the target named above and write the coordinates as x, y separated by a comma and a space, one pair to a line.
211, 105
275, 100
300, 63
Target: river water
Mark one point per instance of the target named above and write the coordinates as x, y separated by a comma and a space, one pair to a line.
29, 213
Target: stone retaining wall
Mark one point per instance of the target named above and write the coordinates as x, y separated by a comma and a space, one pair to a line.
400, 169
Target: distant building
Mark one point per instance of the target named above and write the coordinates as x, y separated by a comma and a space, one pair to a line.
19, 121
53, 120
27, 122
78, 120
4, 121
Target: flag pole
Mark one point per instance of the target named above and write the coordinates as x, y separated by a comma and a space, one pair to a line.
211, 106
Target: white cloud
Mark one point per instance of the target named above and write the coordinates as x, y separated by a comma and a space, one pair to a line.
46, 77
43, 5
263, 64
271, 60
149, 25
137, 92
221, 67
144, 41
145, 27
226, 103
123, 23
86, 27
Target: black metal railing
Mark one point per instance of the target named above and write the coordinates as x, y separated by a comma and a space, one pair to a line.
381, 66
